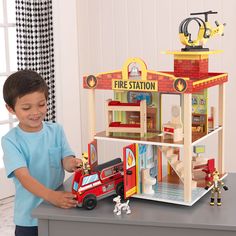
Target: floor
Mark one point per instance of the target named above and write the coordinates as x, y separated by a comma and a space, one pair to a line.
172, 193
7, 226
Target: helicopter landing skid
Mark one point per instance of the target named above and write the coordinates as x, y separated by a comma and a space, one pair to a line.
194, 49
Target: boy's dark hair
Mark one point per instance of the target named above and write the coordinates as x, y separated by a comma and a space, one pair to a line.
21, 83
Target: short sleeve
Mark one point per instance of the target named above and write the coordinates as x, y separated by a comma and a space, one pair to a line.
12, 156
66, 150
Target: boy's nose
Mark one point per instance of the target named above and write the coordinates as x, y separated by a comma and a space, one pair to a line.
35, 111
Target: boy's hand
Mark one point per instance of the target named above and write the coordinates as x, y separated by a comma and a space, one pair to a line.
62, 199
76, 164
72, 164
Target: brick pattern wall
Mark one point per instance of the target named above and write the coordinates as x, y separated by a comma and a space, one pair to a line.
197, 69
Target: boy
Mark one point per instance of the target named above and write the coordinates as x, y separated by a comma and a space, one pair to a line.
35, 152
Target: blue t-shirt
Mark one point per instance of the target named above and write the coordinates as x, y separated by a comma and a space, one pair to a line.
42, 153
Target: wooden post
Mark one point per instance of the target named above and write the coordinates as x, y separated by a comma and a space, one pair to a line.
159, 164
221, 114
91, 114
143, 117
187, 147
108, 116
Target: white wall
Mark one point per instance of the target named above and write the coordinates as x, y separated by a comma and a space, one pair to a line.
67, 71
110, 31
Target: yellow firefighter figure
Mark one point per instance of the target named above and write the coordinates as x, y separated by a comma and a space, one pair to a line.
85, 163
217, 186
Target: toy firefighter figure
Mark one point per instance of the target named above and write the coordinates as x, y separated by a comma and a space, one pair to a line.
86, 166
217, 185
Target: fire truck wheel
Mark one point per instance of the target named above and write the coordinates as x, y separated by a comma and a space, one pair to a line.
120, 189
90, 202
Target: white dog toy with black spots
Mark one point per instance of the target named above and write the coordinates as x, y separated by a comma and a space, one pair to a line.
121, 206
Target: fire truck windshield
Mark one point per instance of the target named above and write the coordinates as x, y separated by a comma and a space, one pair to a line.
90, 179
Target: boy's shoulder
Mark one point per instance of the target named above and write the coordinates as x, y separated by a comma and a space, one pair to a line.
11, 133
11, 136
52, 127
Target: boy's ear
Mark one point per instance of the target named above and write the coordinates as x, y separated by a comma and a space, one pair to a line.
10, 109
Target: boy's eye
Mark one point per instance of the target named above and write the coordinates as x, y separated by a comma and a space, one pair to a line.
25, 108
42, 105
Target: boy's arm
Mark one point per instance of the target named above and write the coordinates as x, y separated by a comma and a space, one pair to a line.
57, 198
71, 163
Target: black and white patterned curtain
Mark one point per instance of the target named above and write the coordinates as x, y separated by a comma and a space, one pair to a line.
34, 32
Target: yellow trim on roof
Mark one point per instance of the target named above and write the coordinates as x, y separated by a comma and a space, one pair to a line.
209, 79
193, 52
109, 72
160, 73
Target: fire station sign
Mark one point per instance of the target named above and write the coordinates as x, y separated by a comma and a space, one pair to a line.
136, 85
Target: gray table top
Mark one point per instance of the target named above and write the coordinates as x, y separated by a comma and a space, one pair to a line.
151, 213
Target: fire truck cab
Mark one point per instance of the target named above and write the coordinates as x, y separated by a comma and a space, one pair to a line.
102, 181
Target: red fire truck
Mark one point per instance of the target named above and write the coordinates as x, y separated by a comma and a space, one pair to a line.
102, 181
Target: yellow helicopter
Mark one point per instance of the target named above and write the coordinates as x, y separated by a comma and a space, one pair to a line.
205, 31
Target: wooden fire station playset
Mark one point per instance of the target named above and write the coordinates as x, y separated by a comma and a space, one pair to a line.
134, 118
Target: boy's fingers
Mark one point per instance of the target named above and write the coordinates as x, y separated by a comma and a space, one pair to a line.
70, 195
69, 200
70, 203
66, 206
79, 163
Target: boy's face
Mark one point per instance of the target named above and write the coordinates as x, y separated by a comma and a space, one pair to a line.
30, 110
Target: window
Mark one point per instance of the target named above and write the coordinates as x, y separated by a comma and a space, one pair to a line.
90, 179
8, 62
75, 186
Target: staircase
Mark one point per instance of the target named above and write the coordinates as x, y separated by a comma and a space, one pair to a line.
177, 165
